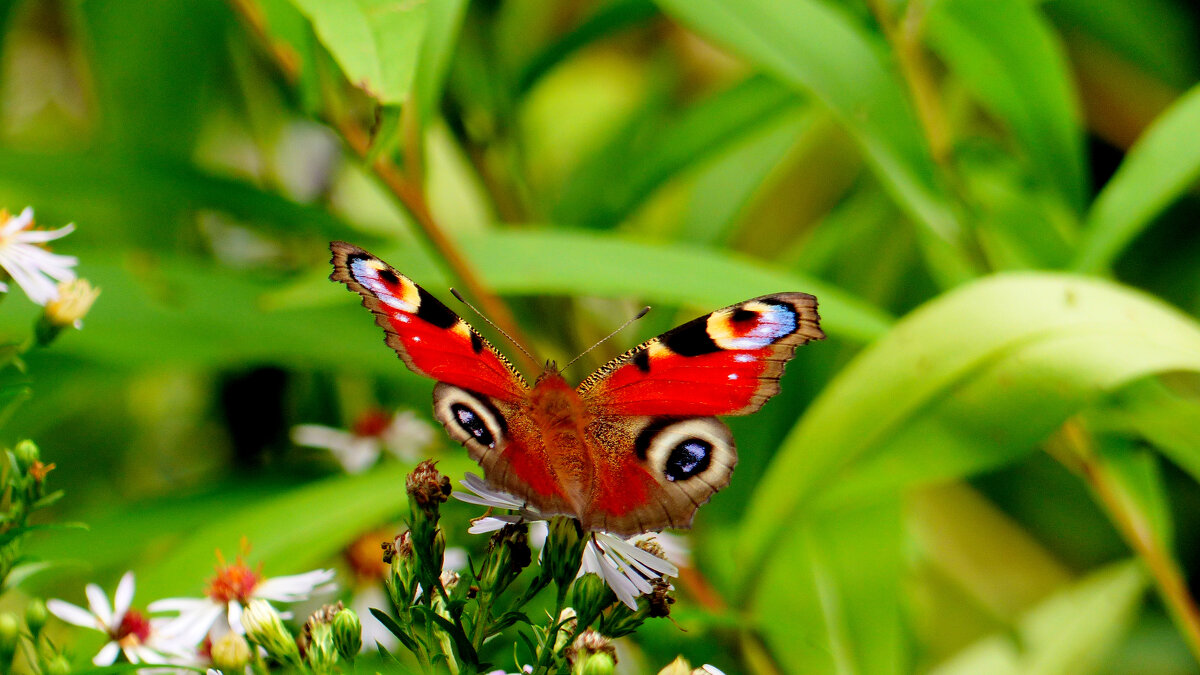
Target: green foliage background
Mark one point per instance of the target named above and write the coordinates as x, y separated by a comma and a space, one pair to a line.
991, 464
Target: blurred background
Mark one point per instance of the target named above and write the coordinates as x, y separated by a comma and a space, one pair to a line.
990, 466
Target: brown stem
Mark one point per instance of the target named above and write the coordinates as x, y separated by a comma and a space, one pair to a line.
407, 188
412, 196
904, 37
1075, 441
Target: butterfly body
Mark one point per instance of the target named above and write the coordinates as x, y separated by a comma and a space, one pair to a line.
636, 446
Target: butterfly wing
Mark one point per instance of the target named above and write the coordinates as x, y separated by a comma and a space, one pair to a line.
725, 363
430, 338
659, 450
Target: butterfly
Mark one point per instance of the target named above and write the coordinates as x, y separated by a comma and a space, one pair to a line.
636, 447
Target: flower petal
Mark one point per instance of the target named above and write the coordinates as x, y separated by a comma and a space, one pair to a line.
295, 587
108, 654
72, 614
98, 602
123, 598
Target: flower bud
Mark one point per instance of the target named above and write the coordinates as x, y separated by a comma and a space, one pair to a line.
347, 634
590, 595
265, 629
567, 622
36, 615
591, 654
231, 653
679, 666
26, 453
564, 550
320, 652
427, 488
74, 299
508, 554
10, 633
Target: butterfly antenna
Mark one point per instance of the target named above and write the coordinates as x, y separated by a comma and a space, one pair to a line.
623, 326
493, 325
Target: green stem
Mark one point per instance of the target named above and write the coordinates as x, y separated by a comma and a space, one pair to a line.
546, 651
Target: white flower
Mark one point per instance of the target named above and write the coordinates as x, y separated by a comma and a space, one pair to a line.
228, 594
27, 262
711, 669
142, 640
402, 434
626, 568
482, 494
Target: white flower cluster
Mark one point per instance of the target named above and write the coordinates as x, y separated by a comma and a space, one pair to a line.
23, 257
176, 640
627, 569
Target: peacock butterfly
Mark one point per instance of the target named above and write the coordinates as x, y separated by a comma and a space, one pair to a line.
636, 447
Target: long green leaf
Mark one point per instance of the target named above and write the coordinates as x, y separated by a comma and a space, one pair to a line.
818, 49
1157, 170
612, 183
1068, 633
939, 395
1006, 54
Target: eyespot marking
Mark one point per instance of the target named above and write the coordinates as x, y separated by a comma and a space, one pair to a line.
688, 458
389, 276
472, 423
753, 325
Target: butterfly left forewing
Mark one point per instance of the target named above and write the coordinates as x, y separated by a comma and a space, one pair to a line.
428, 336
725, 363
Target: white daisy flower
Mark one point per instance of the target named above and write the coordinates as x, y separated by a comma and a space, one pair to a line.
142, 640
482, 494
29, 264
227, 596
402, 434
626, 568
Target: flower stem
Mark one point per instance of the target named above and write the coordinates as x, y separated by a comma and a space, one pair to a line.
1079, 453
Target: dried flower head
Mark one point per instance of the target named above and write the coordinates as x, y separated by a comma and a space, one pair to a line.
426, 486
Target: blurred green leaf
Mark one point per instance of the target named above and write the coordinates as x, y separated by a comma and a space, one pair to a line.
937, 397
437, 49
1009, 57
376, 42
1070, 632
297, 530
1158, 168
1167, 417
818, 48
610, 184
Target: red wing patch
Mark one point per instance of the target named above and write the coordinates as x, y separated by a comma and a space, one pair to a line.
724, 363
430, 338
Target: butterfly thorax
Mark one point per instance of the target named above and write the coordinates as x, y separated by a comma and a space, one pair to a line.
562, 419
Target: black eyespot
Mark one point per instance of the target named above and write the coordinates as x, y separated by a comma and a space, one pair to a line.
741, 315
688, 458
473, 424
389, 277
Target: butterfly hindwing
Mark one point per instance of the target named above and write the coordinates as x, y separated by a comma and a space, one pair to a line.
725, 363
431, 339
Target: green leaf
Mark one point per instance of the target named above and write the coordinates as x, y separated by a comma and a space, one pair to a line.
817, 48
1070, 632
937, 397
610, 184
1163, 164
437, 49
1008, 56
376, 42
832, 598
1165, 415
